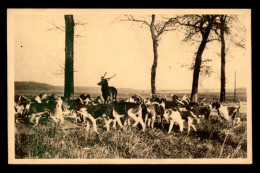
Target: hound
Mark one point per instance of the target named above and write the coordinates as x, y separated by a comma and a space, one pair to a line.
21, 99
41, 97
134, 99
36, 108
99, 100
229, 113
81, 102
83, 110
86, 112
130, 100
162, 104
112, 112
202, 111
22, 105
177, 102
92, 115
185, 99
185, 102
156, 110
100, 111
150, 110
132, 108
129, 110
154, 98
174, 117
77, 104
177, 117
51, 108
56, 113
19, 112
85, 99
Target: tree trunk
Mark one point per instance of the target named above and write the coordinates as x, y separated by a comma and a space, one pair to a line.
154, 67
196, 72
155, 53
205, 34
223, 62
198, 60
69, 43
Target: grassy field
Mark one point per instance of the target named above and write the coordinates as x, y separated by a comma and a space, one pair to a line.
213, 139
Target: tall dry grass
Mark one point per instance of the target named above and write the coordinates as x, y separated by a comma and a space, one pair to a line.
53, 141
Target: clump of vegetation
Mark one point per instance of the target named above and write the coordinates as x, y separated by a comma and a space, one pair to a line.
213, 139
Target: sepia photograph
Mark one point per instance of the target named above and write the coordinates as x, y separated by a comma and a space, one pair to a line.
129, 86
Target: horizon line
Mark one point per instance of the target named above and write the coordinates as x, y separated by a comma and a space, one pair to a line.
137, 88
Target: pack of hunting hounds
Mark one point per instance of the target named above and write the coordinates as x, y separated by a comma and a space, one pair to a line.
125, 113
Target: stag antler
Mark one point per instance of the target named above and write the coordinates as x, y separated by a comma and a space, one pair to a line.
111, 77
104, 75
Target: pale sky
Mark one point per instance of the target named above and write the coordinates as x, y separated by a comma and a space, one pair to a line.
121, 48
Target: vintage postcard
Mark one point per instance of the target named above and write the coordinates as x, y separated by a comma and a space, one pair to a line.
129, 86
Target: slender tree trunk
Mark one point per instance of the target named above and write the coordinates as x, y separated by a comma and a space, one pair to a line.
69, 43
154, 66
198, 60
223, 63
155, 53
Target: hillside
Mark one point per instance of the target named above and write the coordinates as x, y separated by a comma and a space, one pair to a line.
43, 86
33, 86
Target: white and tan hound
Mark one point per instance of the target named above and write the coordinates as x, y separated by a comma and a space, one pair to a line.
178, 117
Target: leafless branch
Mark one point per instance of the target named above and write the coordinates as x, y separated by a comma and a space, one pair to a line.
62, 67
55, 27
216, 32
240, 44
77, 35
79, 23
59, 73
63, 28
188, 24
131, 18
193, 40
213, 39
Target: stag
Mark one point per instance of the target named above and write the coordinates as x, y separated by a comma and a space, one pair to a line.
107, 91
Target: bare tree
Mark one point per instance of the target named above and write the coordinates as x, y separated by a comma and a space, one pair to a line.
156, 29
69, 54
224, 27
197, 26
68, 69
223, 58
